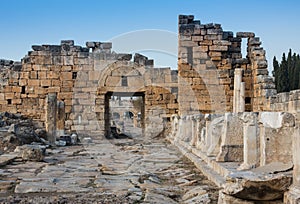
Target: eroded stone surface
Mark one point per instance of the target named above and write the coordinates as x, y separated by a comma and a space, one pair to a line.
142, 171
257, 186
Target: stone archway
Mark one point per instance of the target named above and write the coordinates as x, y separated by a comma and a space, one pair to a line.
128, 79
122, 79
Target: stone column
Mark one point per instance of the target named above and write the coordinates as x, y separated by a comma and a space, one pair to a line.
242, 98
194, 131
200, 124
51, 109
296, 157
239, 92
60, 119
293, 195
250, 141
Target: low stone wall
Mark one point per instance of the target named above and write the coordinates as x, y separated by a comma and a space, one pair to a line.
240, 151
252, 139
287, 101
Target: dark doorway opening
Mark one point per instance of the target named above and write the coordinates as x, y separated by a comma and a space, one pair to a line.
124, 114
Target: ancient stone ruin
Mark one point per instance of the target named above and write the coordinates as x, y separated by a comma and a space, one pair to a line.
219, 108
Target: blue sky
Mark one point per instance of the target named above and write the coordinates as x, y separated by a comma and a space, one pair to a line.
24, 23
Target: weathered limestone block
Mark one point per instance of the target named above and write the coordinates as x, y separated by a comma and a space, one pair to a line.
257, 186
232, 139
174, 126
276, 133
187, 129
218, 48
199, 123
245, 35
251, 139
196, 119
154, 124
227, 199
214, 129
293, 195
31, 152
51, 111
60, 120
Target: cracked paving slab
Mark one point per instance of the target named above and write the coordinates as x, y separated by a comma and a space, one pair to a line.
119, 171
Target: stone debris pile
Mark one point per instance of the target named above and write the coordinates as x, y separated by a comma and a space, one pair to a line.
16, 130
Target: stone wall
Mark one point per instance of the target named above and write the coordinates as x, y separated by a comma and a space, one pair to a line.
287, 101
9, 95
82, 78
207, 60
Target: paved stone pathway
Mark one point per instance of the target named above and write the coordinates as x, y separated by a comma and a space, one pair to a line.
118, 171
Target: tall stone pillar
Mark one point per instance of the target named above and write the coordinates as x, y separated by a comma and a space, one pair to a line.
194, 131
250, 134
60, 119
239, 92
242, 98
51, 110
296, 157
293, 195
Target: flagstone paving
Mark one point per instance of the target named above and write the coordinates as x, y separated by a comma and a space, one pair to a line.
118, 171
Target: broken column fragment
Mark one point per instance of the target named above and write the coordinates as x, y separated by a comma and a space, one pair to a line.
51, 109
60, 119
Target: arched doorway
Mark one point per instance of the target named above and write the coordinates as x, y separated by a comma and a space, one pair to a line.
155, 101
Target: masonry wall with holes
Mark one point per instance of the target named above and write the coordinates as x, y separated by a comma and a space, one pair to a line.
208, 57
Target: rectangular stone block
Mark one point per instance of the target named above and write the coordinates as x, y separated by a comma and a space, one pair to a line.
218, 48
66, 76
9, 96
33, 75
113, 81
55, 82
68, 60
16, 101
40, 90
16, 89
66, 68
94, 75
46, 82
68, 83
187, 43
200, 55
52, 75
197, 38
213, 37
53, 89
222, 42
206, 42
200, 49
33, 82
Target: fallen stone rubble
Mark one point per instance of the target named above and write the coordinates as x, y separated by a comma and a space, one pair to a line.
17, 130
